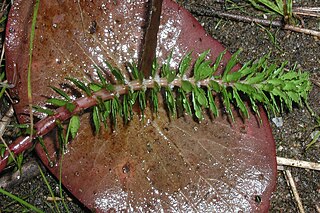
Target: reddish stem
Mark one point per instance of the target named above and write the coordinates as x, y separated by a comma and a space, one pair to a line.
62, 114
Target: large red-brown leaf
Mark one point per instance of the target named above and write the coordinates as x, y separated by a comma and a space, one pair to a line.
152, 165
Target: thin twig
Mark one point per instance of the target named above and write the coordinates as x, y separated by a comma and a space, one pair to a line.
294, 190
211, 12
307, 11
298, 163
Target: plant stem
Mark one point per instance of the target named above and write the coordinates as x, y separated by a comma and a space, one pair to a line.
62, 114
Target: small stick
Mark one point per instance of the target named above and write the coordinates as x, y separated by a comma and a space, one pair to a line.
52, 199
302, 30
264, 22
294, 190
298, 163
307, 11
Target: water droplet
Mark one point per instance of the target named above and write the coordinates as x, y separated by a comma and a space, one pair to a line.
126, 168
15, 100
257, 199
11, 30
51, 164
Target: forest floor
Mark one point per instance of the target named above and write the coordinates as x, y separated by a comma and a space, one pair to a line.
291, 137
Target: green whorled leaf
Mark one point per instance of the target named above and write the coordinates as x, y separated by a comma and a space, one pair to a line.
212, 104
96, 119
274, 105
167, 72
196, 106
103, 80
255, 108
240, 103
57, 102
266, 87
295, 97
226, 101
245, 88
101, 110
95, 87
186, 86
233, 77
61, 92
246, 69
265, 98
70, 106
205, 71
279, 71
269, 71
201, 97
127, 107
154, 68
231, 63
107, 109
110, 87
116, 109
185, 102
215, 86
259, 97
80, 85
117, 73
43, 110
290, 86
154, 98
134, 98
283, 97
170, 101
171, 76
185, 64
74, 125
142, 101
218, 61
257, 78
289, 75
200, 63
276, 82
133, 69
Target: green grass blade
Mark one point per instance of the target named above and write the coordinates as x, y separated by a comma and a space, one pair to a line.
22, 202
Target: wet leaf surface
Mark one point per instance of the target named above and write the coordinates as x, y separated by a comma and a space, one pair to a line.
155, 164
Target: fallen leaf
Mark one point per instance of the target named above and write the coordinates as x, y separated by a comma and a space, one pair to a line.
157, 164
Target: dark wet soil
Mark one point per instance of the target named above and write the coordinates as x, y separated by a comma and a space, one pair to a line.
291, 138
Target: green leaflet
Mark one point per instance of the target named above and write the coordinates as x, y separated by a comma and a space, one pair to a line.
82, 86
256, 83
96, 118
74, 125
185, 64
61, 92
